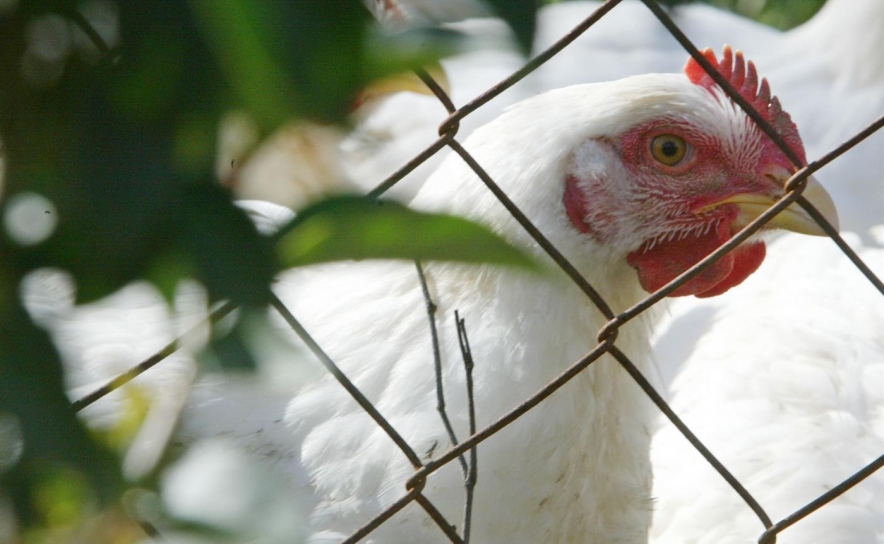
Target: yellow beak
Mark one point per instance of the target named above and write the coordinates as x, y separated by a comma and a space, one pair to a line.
793, 218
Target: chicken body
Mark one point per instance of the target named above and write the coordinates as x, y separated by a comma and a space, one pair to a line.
576, 468
830, 72
572, 470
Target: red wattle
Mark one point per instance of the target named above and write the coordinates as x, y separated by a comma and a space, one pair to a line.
747, 259
661, 264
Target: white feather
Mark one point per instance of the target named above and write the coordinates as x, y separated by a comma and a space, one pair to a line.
782, 380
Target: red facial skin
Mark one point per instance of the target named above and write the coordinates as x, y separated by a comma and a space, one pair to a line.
674, 206
671, 199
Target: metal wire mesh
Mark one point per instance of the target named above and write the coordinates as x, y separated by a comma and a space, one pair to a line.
606, 336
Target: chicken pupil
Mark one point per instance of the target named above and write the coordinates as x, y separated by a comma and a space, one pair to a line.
670, 149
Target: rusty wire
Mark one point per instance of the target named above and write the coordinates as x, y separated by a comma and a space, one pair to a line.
607, 335
769, 536
216, 315
369, 409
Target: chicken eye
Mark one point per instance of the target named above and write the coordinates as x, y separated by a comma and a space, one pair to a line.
668, 149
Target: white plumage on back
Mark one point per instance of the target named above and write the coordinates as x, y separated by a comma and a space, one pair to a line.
784, 382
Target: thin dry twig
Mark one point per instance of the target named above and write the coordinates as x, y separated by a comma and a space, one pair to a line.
503, 421
473, 475
437, 364
469, 471
370, 409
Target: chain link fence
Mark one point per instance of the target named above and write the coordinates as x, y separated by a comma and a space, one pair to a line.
463, 452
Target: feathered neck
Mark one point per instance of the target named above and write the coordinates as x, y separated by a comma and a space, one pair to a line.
588, 444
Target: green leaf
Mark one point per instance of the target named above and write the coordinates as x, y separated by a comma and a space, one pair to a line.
364, 228
521, 16
233, 261
285, 58
250, 45
403, 51
52, 438
229, 351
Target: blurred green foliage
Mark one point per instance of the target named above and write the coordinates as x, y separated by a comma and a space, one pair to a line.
386, 229
782, 14
519, 14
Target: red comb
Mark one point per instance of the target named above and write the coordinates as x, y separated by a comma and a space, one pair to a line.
744, 78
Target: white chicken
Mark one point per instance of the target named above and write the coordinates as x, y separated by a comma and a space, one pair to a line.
831, 73
829, 70
634, 181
